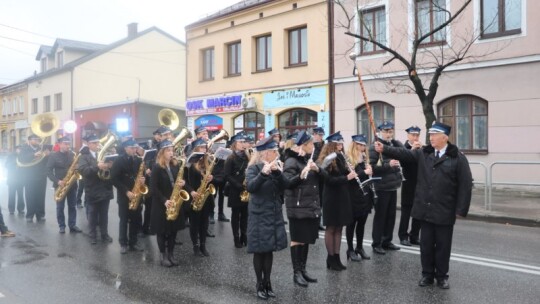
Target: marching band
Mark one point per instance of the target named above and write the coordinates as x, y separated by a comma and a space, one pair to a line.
175, 182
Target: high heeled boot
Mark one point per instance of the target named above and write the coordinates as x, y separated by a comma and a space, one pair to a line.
269, 291
298, 278
165, 260
261, 291
331, 263
351, 255
362, 253
303, 262
338, 262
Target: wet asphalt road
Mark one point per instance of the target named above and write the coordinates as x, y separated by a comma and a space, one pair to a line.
492, 263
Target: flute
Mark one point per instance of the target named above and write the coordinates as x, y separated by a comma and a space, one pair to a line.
305, 174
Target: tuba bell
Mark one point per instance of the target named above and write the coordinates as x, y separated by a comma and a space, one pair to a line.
44, 125
169, 118
222, 135
185, 133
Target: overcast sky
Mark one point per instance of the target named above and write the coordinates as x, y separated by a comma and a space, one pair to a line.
38, 22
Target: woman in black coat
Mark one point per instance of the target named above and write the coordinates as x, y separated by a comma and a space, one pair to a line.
163, 179
235, 173
266, 227
361, 204
302, 202
337, 208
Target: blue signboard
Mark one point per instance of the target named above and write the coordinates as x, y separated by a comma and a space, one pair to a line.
211, 122
323, 121
295, 98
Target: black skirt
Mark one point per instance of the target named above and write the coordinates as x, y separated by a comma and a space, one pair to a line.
304, 230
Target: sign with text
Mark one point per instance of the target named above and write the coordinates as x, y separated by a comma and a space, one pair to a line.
323, 121
219, 104
210, 122
295, 98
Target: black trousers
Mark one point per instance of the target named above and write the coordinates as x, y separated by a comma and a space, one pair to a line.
435, 248
130, 222
80, 191
15, 194
147, 213
239, 218
403, 231
98, 214
198, 224
221, 199
34, 192
385, 218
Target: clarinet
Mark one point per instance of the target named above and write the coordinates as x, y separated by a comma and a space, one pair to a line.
351, 169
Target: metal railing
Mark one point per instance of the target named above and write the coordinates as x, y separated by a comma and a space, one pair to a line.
491, 182
486, 182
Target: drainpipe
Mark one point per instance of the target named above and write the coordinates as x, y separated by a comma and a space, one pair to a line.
331, 87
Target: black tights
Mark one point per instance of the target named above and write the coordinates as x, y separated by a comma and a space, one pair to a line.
166, 240
262, 262
359, 223
332, 239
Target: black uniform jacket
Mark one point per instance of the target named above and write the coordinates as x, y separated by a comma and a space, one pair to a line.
193, 178
410, 170
337, 207
58, 165
361, 204
391, 176
35, 172
235, 173
302, 195
123, 174
95, 189
444, 186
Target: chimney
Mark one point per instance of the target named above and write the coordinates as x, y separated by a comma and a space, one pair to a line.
132, 30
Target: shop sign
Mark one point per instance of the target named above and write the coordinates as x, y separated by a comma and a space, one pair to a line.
295, 98
219, 104
210, 122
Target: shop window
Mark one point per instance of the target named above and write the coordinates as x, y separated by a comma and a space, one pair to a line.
381, 112
468, 116
296, 120
251, 122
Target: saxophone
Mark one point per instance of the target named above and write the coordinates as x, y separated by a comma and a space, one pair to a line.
139, 189
71, 176
205, 189
244, 195
178, 196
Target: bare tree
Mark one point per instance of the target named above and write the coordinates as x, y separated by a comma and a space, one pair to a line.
430, 61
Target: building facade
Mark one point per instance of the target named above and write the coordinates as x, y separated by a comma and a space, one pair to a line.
14, 124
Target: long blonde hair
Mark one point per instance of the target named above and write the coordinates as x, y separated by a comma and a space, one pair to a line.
328, 149
161, 160
354, 154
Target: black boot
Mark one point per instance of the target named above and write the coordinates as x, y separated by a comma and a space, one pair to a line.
296, 252
362, 253
204, 252
197, 250
331, 263
269, 292
243, 239
261, 291
307, 277
338, 262
170, 255
351, 255
165, 260
237, 243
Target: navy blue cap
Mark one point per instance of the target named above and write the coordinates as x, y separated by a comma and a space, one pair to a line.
267, 143
386, 125
336, 137
360, 138
165, 144
127, 134
65, 139
33, 136
273, 132
439, 127
163, 130
413, 130
200, 129
92, 138
144, 145
318, 130
292, 136
250, 139
303, 137
198, 142
238, 137
130, 143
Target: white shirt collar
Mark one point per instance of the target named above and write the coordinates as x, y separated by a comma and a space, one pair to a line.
441, 151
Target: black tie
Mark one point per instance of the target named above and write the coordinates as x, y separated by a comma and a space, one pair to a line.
437, 155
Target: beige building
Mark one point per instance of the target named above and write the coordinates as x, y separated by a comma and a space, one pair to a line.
13, 123
259, 65
491, 98
121, 86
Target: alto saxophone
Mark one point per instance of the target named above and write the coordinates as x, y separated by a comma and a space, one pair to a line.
71, 176
178, 196
139, 189
205, 189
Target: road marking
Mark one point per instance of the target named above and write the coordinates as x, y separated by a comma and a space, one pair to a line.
499, 264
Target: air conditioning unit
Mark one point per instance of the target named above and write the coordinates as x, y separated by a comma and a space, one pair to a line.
248, 103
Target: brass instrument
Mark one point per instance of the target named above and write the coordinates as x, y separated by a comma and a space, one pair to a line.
221, 135
139, 189
178, 196
111, 139
169, 118
185, 133
205, 189
244, 195
43, 125
71, 176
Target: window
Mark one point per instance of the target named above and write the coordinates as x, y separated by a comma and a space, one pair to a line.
46, 104
34, 105
21, 104
14, 107
4, 102
381, 112
4, 140
22, 136
251, 122
43, 64
264, 53
373, 25
296, 120
468, 117
60, 59
234, 66
208, 64
298, 46
58, 101
500, 18
429, 15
